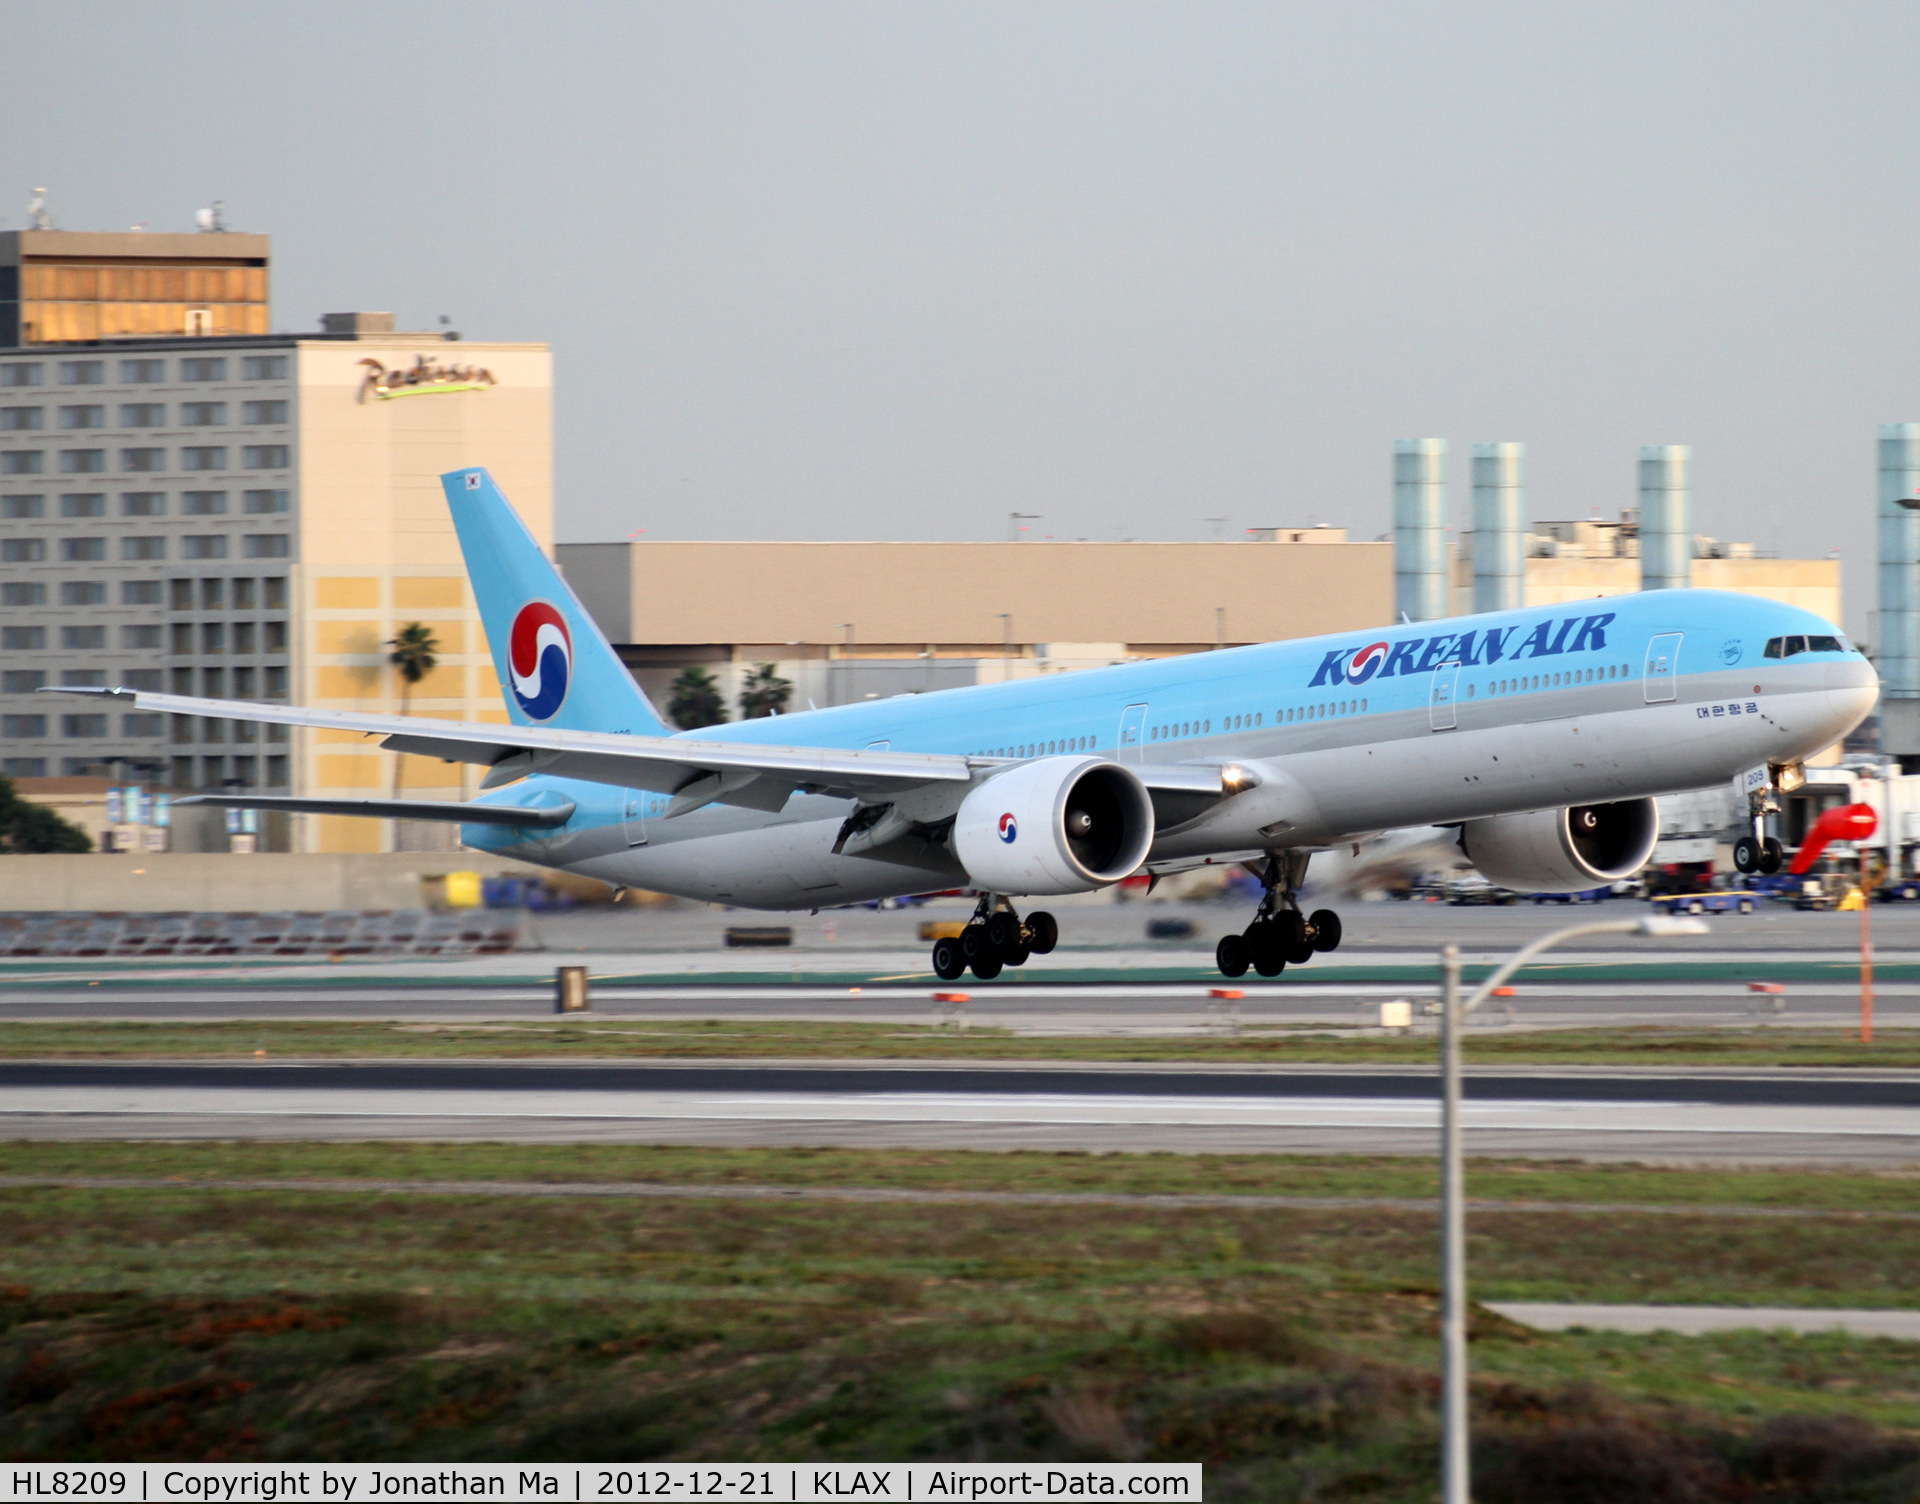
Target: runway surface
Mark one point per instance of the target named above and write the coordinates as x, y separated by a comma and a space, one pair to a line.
1692, 1116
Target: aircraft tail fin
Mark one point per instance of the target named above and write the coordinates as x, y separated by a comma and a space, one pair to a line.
555, 666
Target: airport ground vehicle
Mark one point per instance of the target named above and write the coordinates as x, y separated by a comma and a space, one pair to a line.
1706, 903
1544, 734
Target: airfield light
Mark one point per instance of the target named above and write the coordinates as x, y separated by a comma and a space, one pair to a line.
1453, 1202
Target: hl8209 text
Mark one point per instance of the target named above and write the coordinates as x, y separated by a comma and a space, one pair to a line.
70, 1483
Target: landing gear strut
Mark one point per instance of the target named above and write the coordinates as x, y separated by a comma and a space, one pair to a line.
1759, 852
1280, 934
995, 937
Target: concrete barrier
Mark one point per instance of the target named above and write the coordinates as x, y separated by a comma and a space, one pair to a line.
265, 882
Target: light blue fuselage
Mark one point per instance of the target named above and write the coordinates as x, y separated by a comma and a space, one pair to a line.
1609, 699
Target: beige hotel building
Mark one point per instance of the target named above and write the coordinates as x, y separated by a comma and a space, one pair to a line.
192, 503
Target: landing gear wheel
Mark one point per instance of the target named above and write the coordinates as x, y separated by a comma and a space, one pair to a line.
1017, 956
1003, 932
986, 965
1746, 855
1232, 956
1326, 929
973, 941
1772, 857
1291, 928
1266, 948
1042, 933
948, 964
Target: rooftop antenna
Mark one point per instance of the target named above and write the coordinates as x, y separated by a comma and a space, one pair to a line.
213, 220
37, 216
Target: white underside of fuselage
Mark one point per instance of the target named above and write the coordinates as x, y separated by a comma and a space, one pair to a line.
1392, 772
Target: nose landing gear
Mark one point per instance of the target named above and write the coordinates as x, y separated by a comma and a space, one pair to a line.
994, 938
1759, 852
1280, 934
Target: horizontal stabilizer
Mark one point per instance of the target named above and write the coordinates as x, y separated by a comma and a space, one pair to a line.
395, 809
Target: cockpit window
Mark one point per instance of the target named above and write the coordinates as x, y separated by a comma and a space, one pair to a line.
1787, 647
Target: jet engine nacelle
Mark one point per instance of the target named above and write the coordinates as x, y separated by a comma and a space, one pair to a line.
1563, 850
1056, 825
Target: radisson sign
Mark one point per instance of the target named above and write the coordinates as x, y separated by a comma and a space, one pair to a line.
420, 379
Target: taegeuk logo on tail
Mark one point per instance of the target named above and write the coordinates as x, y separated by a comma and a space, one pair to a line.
539, 660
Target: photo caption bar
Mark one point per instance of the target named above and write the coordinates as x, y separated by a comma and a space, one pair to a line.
356, 1483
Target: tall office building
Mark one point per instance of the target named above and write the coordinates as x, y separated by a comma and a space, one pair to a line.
191, 503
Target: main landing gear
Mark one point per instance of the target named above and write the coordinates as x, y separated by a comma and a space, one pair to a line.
1280, 934
1759, 852
995, 937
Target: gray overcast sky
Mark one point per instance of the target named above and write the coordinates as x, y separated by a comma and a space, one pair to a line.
897, 270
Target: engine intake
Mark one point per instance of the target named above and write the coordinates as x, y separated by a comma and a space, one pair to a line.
1563, 850
1056, 825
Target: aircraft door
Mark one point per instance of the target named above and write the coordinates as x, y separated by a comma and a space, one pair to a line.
1663, 667
1441, 713
635, 817
1133, 725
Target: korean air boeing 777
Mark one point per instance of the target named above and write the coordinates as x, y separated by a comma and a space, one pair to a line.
1542, 734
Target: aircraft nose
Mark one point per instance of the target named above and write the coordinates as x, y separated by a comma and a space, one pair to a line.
1853, 689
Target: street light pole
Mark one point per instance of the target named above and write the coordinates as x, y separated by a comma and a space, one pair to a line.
1453, 1196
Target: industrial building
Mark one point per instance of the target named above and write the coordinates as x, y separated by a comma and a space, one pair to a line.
189, 502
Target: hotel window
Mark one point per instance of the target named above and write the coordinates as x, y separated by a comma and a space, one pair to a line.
182, 634
83, 639
83, 593
273, 636
203, 457
213, 637
147, 680
140, 725
203, 414
84, 678
264, 412
83, 550
23, 506
213, 595
22, 550
23, 727
23, 639
144, 551
243, 638
27, 374
139, 592
213, 684
203, 546
143, 503
264, 457
274, 594
243, 595
85, 415
142, 372
82, 461
82, 372
22, 419
203, 368
276, 772
140, 638
276, 689
79, 727
264, 367
182, 595
23, 593
83, 504
22, 462
263, 503
266, 545
143, 415
29, 767
22, 681
203, 503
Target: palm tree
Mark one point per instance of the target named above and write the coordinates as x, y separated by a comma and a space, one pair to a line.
415, 651
765, 693
694, 700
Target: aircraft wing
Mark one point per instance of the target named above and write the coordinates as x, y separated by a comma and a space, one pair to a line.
752, 774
